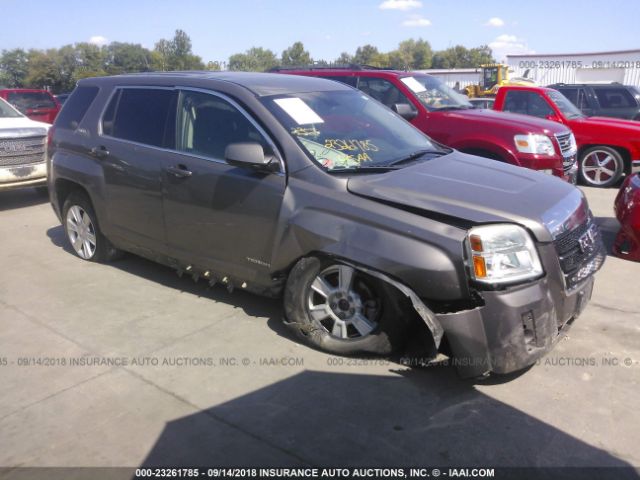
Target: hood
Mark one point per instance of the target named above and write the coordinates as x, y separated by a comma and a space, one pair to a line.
512, 121
630, 125
479, 191
21, 127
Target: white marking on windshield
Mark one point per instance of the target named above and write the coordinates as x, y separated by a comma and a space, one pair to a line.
301, 113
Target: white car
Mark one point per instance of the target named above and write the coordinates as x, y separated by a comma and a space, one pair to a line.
23, 149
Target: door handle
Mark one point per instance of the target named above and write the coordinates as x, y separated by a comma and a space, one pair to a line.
180, 171
99, 152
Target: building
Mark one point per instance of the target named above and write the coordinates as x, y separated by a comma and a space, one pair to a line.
457, 78
595, 67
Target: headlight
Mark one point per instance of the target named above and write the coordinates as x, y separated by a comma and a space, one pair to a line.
539, 144
501, 254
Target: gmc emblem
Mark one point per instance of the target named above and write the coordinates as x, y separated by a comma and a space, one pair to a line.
588, 239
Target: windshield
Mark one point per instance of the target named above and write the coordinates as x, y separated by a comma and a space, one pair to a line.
348, 130
435, 94
568, 109
7, 111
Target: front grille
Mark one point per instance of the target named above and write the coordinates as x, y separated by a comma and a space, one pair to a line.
580, 251
564, 141
22, 151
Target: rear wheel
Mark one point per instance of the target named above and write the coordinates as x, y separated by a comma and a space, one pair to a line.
82, 230
600, 167
341, 310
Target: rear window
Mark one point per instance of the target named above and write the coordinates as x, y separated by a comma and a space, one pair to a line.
76, 107
140, 115
27, 100
614, 98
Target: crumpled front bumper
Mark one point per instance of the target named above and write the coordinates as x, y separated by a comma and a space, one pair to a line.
516, 326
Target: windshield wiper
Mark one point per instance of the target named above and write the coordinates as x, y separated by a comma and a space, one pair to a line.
415, 156
365, 168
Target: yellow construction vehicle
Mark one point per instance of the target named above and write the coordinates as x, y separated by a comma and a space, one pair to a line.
494, 76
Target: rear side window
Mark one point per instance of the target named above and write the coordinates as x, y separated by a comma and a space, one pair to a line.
527, 103
140, 115
614, 98
76, 107
26, 100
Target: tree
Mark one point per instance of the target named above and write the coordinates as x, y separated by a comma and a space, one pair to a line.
256, 59
175, 54
411, 55
369, 55
296, 55
43, 70
126, 58
461, 57
344, 59
90, 60
13, 68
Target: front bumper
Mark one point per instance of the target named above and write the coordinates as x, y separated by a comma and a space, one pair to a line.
513, 329
32, 175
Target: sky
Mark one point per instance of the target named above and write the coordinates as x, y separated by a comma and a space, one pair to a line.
220, 28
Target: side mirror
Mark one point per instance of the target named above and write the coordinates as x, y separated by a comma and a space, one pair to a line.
405, 110
554, 118
250, 155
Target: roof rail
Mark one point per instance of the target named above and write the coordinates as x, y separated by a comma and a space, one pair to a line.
329, 66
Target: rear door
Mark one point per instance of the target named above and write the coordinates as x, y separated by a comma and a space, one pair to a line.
218, 216
135, 141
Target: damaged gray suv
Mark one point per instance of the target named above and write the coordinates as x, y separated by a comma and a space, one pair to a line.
308, 189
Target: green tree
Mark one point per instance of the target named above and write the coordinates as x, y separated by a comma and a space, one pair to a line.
344, 59
90, 61
126, 58
411, 55
13, 68
175, 54
462, 57
44, 71
368, 55
256, 59
296, 55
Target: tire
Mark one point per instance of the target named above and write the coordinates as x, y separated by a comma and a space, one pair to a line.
83, 232
600, 167
318, 291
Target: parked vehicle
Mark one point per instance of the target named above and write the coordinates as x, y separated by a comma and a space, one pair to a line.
449, 118
62, 97
607, 148
494, 76
482, 102
603, 99
627, 209
302, 187
38, 105
22, 149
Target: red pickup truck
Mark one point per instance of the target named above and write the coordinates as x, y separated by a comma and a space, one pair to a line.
607, 147
449, 118
38, 105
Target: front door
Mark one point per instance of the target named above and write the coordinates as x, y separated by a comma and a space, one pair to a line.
218, 216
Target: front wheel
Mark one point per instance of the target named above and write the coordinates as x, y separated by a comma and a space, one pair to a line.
339, 309
600, 167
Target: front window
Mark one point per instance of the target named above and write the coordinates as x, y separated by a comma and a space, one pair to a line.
7, 111
568, 109
435, 94
346, 130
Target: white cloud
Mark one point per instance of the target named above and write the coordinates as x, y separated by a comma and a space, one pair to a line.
400, 4
416, 21
98, 40
494, 22
506, 44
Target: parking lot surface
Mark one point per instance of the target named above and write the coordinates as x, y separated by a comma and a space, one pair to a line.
126, 364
